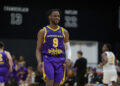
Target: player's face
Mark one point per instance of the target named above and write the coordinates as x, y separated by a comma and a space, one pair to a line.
21, 58
104, 48
79, 55
55, 17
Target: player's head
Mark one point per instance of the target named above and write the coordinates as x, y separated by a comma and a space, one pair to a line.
79, 54
30, 69
106, 47
54, 16
1, 45
21, 58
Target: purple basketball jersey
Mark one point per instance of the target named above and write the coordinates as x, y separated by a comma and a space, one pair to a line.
3, 67
53, 54
53, 42
3, 59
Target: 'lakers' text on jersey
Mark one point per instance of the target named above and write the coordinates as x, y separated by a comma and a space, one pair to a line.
53, 42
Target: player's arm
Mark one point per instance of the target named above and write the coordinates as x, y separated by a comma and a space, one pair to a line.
10, 60
40, 38
105, 60
67, 45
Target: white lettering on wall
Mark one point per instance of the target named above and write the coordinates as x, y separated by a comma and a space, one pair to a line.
71, 18
16, 19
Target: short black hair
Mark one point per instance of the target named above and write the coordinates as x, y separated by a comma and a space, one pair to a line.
1, 44
108, 46
80, 52
52, 10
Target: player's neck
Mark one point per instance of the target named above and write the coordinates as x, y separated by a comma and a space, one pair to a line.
106, 51
53, 26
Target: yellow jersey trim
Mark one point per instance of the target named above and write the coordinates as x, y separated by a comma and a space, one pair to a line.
1, 62
0, 55
45, 34
63, 32
5, 51
44, 75
53, 29
63, 80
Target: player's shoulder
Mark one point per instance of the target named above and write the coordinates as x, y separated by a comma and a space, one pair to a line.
108, 52
41, 31
65, 30
7, 52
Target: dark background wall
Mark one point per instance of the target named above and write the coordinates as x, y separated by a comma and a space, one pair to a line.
21, 47
97, 21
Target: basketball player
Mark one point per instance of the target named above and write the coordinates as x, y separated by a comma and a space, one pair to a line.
109, 69
4, 68
52, 45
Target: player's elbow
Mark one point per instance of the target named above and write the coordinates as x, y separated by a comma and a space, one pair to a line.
38, 49
38, 52
11, 62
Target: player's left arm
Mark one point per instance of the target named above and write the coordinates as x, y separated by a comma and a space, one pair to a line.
67, 45
105, 60
10, 60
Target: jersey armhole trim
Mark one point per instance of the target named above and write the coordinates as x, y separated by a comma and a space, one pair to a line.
5, 51
45, 34
63, 32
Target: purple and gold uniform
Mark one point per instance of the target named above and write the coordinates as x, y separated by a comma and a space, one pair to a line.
53, 54
22, 73
3, 66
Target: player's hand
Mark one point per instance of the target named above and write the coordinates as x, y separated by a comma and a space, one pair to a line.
10, 69
68, 60
64, 65
40, 67
67, 63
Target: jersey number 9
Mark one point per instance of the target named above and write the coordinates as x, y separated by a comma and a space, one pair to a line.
55, 42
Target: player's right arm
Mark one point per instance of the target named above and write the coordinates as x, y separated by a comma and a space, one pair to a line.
105, 60
40, 38
10, 60
67, 45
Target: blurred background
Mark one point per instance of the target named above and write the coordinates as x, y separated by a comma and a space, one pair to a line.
90, 25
